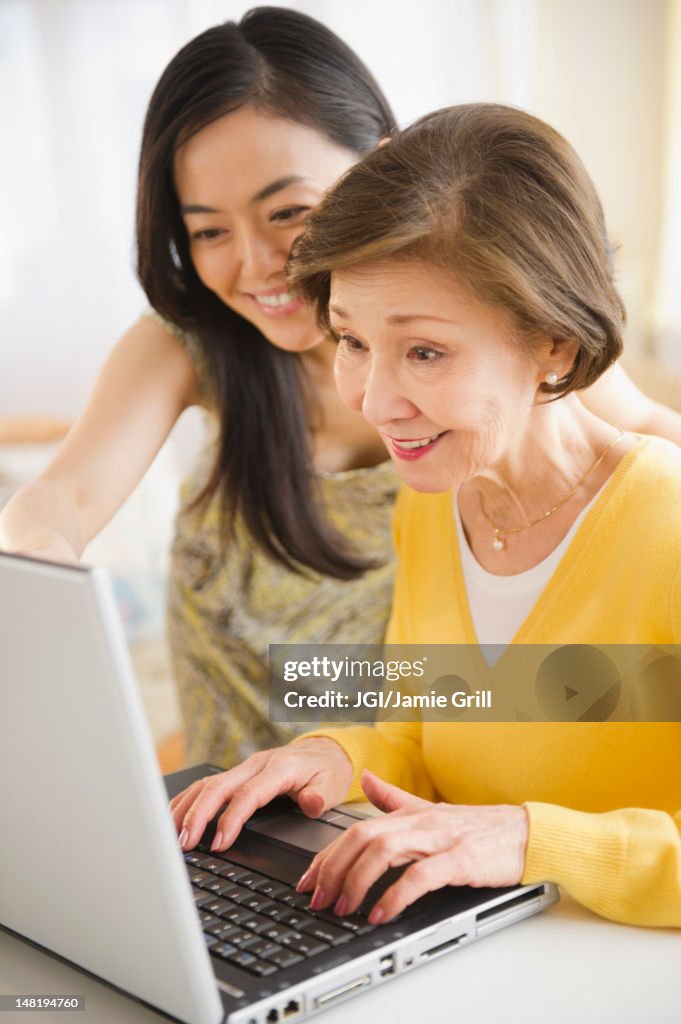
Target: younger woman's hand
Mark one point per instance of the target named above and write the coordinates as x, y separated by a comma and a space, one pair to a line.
442, 843
55, 549
316, 773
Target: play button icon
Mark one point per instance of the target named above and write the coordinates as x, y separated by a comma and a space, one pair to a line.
577, 683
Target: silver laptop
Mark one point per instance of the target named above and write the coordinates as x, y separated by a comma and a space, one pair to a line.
94, 874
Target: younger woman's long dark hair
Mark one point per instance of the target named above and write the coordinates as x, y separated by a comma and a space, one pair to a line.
289, 65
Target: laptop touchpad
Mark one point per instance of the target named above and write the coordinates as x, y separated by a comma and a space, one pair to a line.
295, 830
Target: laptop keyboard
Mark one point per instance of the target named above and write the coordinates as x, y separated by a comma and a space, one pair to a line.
258, 923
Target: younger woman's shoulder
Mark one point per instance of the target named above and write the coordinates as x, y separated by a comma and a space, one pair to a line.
185, 338
190, 343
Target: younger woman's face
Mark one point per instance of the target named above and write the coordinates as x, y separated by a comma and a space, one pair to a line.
244, 184
441, 375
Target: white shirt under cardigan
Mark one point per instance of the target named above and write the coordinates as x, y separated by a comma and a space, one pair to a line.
500, 604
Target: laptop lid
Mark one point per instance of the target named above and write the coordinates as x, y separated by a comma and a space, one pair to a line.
93, 871
83, 806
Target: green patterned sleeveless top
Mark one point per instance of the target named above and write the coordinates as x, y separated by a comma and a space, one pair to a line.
225, 609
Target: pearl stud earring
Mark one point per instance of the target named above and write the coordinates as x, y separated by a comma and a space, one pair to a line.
551, 377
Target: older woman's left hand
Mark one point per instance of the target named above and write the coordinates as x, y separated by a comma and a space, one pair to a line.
443, 844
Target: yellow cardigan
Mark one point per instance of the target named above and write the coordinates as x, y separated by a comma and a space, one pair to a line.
602, 798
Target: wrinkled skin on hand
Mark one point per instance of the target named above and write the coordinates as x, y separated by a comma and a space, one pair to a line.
443, 844
315, 772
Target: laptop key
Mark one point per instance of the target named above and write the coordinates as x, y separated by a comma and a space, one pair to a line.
263, 947
242, 958
217, 929
252, 879
277, 911
201, 897
357, 925
210, 940
296, 899
243, 939
232, 872
306, 945
197, 875
224, 950
327, 932
226, 932
193, 859
276, 932
329, 916
297, 919
212, 924
217, 905
223, 888
256, 923
285, 958
204, 858
263, 968
275, 890
211, 864
240, 894
215, 884
258, 902
353, 922
237, 915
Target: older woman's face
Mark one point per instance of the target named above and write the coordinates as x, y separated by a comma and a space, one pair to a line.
437, 372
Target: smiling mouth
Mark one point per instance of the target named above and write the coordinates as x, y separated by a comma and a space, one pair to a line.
276, 304
275, 301
421, 442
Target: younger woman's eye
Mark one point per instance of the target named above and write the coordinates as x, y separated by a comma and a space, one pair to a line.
206, 234
288, 213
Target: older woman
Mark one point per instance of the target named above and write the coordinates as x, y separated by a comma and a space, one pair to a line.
465, 270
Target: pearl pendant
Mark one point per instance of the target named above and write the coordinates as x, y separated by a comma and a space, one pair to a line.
498, 543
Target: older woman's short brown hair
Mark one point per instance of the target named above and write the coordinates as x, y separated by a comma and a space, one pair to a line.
499, 198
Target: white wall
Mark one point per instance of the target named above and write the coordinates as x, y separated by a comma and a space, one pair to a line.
601, 79
75, 76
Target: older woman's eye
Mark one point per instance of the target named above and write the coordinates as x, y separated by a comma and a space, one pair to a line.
349, 342
423, 354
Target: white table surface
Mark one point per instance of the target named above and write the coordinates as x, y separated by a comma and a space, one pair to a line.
564, 965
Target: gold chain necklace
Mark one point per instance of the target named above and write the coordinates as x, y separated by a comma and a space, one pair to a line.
500, 532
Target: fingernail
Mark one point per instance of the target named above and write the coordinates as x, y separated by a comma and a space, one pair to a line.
341, 905
317, 899
376, 915
217, 842
303, 882
184, 836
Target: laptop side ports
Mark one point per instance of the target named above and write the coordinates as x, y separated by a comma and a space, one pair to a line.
520, 906
386, 965
343, 991
443, 947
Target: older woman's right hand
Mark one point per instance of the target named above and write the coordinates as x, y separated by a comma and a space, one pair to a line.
315, 772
